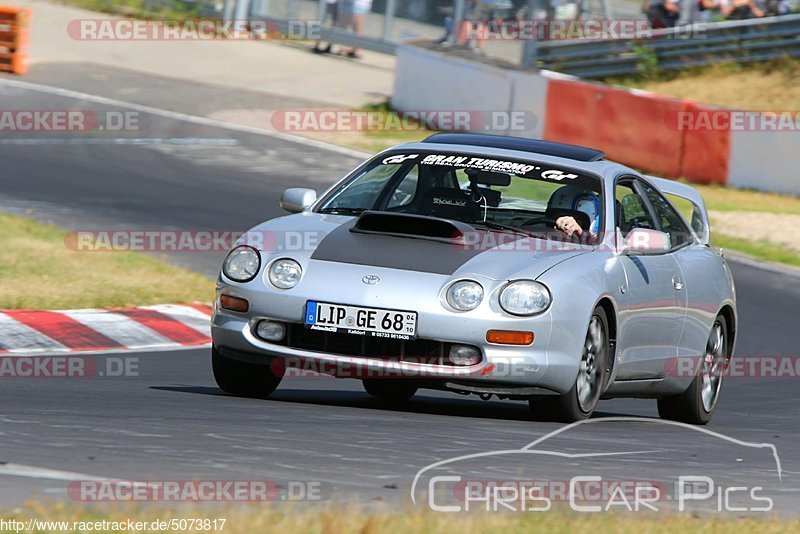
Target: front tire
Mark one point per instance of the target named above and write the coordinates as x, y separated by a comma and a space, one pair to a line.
580, 402
241, 378
698, 403
395, 389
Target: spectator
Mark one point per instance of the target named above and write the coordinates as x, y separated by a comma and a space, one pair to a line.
331, 11
351, 16
741, 10
710, 10
480, 14
662, 13
448, 12
774, 8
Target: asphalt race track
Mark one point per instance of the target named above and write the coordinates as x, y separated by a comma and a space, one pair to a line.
171, 422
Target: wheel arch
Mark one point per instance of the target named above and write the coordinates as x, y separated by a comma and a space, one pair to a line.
610, 309
730, 322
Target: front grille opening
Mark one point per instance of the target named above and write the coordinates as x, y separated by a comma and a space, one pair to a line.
426, 351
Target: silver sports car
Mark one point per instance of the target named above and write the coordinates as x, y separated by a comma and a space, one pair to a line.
486, 265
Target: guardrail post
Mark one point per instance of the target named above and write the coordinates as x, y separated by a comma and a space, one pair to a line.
322, 11
240, 15
227, 12
388, 19
608, 12
530, 50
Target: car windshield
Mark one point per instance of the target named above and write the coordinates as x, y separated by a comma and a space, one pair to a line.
497, 194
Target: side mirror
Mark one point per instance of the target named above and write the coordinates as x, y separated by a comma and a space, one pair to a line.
297, 199
643, 241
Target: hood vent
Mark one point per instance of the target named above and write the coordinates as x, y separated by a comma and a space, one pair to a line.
413, 226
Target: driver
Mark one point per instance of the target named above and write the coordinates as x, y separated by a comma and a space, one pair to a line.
576, 198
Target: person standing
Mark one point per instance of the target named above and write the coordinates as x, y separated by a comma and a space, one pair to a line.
662, 13
360, 10
741, 10
331, 12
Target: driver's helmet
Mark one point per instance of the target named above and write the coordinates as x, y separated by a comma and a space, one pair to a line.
574, 197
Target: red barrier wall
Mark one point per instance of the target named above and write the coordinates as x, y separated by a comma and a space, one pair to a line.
630, 128
705, 152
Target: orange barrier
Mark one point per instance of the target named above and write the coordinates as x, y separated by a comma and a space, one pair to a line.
706, 149
630, 127
14, 35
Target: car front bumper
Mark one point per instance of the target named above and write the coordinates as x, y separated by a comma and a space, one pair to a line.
543, 364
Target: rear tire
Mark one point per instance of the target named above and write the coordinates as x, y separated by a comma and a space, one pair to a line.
580, 402
396, 389
241, 378
696, 405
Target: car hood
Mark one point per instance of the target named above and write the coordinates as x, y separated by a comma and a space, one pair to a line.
491, 254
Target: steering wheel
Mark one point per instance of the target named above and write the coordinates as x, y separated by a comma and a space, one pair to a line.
536, 220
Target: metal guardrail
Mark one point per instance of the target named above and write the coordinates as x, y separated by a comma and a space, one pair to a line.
675, 48
343, 37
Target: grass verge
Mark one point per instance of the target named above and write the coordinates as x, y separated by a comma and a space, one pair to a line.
158, 9
720, 198
39, 271
771, 85
330, 520
760, 250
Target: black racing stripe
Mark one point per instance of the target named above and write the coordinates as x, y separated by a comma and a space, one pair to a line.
395, 252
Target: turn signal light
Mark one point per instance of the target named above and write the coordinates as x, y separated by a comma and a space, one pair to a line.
509, 337
233, 303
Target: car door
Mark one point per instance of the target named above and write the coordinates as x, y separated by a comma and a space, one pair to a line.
652, 302
703, 273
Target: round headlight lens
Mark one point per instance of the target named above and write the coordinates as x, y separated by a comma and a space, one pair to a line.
285, 273
242, 264
465, 295
525, 297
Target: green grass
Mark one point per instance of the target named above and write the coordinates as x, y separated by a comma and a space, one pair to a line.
771, 85
164, 10
39, 271
760, 250
720, 198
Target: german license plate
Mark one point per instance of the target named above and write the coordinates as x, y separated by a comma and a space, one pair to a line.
358, 320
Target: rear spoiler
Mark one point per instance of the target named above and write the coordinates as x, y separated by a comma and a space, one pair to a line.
700, 223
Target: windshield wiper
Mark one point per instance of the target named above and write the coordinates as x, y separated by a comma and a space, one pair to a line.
497, 226
342, 211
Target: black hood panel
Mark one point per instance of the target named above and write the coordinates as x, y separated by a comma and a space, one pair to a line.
395, 252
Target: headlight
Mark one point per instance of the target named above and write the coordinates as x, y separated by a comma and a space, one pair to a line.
525, 297
285, 273
465, 295
242, 264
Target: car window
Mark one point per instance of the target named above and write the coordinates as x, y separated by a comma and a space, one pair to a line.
495, 194
631, 209
689, 211
406, 191
669, 220
361, 193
